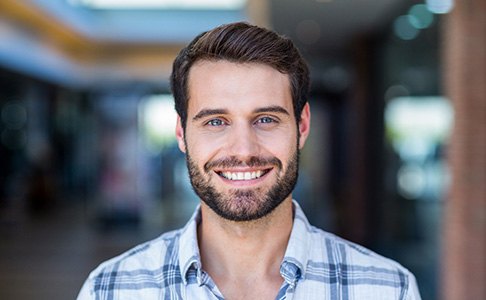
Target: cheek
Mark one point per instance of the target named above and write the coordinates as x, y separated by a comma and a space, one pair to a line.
280, 143
281, 150
202, 149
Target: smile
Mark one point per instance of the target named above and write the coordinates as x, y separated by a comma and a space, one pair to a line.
240, 176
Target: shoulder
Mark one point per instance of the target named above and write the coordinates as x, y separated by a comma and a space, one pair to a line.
334, 249
143, 256
356, 267
146, 265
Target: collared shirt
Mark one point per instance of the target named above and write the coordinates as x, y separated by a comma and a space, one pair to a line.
316, 265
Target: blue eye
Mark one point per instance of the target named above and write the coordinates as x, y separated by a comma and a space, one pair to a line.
216, 122
266, 120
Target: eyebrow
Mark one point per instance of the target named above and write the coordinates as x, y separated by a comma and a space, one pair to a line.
275, 109
210, 112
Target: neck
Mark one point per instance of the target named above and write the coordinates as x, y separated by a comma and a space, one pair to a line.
236, 249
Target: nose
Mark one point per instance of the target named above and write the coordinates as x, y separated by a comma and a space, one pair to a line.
243, 142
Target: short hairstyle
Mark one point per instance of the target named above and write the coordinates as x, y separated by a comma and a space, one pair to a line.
241, 43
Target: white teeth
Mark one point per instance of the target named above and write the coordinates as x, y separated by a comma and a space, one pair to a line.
242, 175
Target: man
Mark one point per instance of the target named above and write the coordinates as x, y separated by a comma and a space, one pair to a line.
241, 96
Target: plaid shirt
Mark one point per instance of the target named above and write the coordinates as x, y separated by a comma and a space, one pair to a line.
316, 265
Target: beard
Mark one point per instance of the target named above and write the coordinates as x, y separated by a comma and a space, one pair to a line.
244, 204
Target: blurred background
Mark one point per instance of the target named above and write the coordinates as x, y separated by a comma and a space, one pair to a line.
89, 166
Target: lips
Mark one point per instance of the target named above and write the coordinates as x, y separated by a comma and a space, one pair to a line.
241, 176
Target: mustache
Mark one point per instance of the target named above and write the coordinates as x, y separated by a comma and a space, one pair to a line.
234, 162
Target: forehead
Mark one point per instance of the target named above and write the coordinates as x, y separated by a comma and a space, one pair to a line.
225, 84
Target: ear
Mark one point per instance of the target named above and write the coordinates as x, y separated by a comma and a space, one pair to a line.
179, 131
304, 125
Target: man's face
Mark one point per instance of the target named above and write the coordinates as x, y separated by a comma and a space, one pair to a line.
241, 138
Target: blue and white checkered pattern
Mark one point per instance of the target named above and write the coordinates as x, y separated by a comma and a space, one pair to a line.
317, 265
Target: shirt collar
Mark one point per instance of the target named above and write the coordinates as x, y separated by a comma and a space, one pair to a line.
293, 265
296, 255
189, 257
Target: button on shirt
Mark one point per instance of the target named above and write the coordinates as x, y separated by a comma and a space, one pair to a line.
316, 265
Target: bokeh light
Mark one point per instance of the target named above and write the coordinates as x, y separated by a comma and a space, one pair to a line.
404, 29
440, 6
158, 118
420, 17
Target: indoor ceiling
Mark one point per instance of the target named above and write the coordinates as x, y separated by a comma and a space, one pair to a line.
321, 25
83, 43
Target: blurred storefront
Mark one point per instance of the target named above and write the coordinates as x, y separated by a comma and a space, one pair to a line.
395, 160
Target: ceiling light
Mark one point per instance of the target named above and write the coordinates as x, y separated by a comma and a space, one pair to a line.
161, 4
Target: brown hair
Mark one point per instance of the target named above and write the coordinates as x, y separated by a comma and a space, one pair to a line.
241, 43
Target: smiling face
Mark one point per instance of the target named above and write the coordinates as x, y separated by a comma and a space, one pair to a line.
241, 138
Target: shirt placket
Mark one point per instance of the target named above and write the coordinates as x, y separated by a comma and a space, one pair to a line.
290, 272
208, 283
